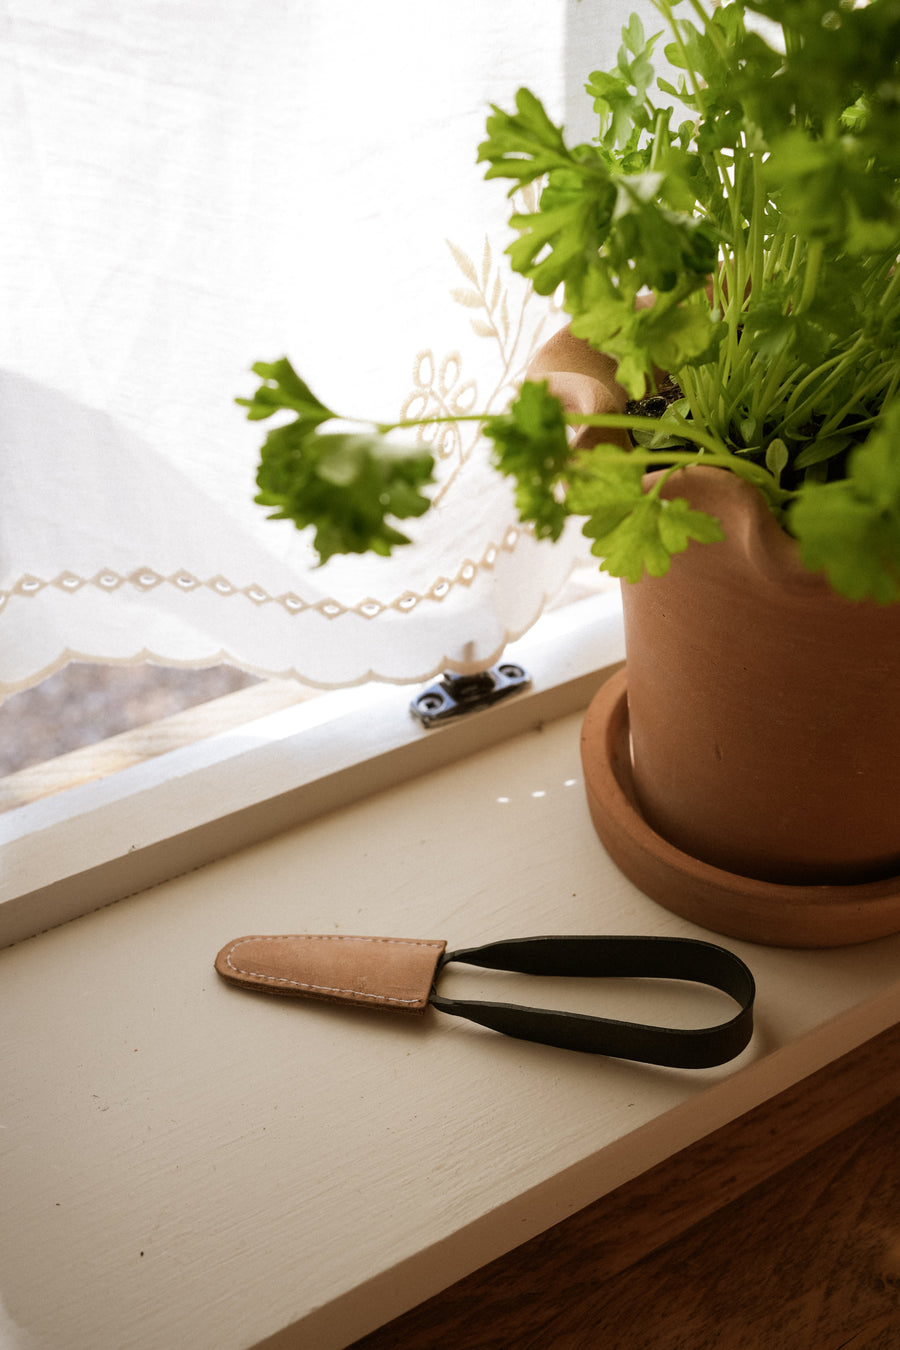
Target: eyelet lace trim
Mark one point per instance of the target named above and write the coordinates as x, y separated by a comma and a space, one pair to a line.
146, 579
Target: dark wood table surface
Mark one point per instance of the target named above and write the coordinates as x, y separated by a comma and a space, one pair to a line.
780, 1231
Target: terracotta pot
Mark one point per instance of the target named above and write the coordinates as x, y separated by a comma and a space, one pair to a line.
764, 709
750, 779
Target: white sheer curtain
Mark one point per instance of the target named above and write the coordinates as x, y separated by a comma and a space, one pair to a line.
190, 186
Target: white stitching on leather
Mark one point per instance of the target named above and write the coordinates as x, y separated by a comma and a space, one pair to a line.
324, 937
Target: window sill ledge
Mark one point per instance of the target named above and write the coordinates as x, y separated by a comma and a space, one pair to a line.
75, 851
185, 1163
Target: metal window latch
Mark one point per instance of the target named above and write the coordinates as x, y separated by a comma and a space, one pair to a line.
453, 694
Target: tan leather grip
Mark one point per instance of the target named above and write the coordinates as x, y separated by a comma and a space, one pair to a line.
372, 972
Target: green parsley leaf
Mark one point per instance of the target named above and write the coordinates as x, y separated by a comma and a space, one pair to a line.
620, 95
531, 446
524, 145
282, 387
666, 244
346, 484
557, 243
776, 458
605, 316
850, 528
679, 335
634, 531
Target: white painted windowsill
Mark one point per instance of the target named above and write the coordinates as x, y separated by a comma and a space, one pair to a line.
70, 853
183, 1163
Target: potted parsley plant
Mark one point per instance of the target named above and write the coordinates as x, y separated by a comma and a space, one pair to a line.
723, 413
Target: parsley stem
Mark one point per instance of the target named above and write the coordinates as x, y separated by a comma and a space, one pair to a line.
659, 139
665, 9
757, 219
811, 276
442, 420
890, 291
667, 458
710, 29
710, 449
882, 383
796, 255
632, 422
771, 382
779, 255
819, 381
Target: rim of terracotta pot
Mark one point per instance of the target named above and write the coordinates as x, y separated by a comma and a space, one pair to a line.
773, 914
745, 515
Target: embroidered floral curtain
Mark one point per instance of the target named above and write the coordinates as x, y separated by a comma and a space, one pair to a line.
191, 187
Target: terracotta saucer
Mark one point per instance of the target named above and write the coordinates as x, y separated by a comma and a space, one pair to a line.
741, 907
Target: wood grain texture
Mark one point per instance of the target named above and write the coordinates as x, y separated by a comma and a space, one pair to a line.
806, 1261
780, 1231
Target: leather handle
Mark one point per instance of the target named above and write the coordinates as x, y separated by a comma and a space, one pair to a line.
369, 972
597, 957
401, 974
